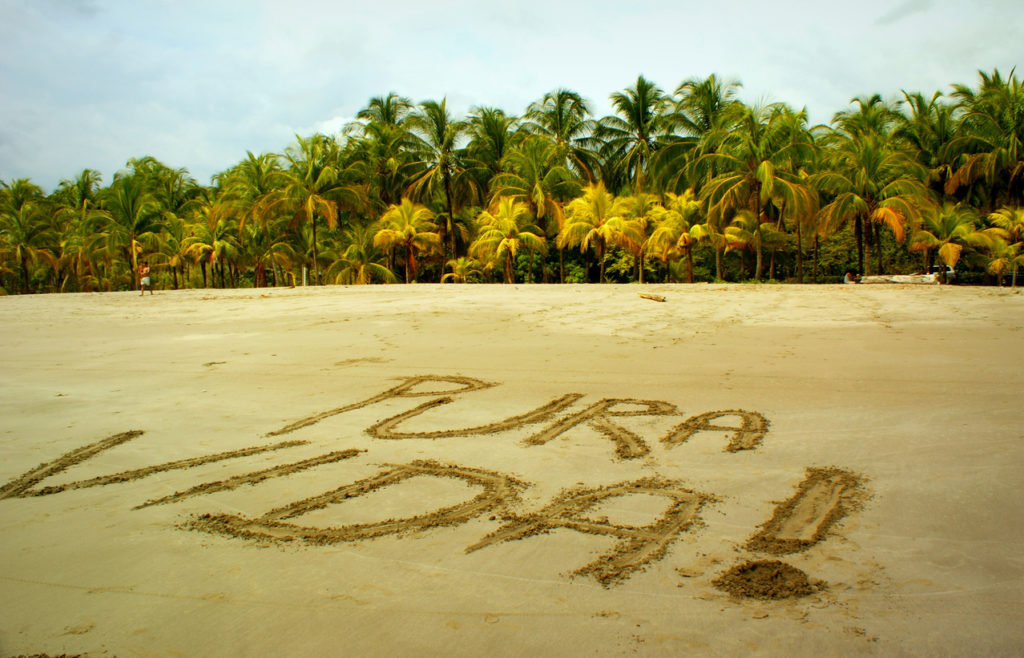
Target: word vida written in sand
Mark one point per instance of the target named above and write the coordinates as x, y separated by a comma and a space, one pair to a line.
822, 499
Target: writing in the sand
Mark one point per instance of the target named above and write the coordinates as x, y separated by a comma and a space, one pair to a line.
499, 493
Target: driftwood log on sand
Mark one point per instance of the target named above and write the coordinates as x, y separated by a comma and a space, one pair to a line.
656, 298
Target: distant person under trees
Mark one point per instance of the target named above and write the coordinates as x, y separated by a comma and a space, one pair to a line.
144, 280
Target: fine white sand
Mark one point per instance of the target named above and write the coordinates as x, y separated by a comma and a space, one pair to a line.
916, 390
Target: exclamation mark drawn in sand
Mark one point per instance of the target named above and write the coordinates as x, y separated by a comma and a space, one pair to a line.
825, 496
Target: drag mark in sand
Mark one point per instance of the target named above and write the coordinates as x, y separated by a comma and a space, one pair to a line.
256, 477
824, 497
21, 487
638, 545
385, 429
403, 390
753, 427
627, 444
499, 491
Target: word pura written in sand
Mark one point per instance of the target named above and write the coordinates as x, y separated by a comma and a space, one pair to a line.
819, 503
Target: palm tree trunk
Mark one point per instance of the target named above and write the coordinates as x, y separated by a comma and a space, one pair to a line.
718, 263
816, 241
316, 265
799, 253
755, 209
561, 265
24, 274
450, 225
878, 247
689, 264
858, 232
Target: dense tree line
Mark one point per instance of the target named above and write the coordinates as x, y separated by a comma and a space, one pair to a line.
683, 186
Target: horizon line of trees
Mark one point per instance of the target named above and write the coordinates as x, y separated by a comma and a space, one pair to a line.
683, 186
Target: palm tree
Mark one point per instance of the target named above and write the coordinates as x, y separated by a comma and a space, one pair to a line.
316, 185
463, 269
631, 139
749, 165
391, 110
133, 221
592, 223
1010, 220
408, 226
360, 263
441, 164
699, 109
991, 146
641, 209
504, 231
492, 135
563, 117
946, 230
76, 217
250, 186
677, 230
267, 245
929, 128
213, 239
25, 226
1005, 257
533, 174
380, 139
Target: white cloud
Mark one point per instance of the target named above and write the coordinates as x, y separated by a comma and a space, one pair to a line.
120, 79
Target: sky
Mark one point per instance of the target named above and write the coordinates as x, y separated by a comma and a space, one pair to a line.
197, 84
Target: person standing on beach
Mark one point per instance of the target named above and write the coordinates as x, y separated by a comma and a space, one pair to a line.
144, 281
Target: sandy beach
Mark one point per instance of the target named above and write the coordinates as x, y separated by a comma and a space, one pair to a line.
513, 470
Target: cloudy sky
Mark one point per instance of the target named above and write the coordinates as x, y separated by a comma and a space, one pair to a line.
92, 83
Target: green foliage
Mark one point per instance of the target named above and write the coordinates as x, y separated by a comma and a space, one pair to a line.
696, 185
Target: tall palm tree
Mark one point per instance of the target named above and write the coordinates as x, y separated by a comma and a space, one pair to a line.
591, 223
410, 227
25, 226
390, 110
492, 135
991, 146
76, 217
563, 116
316, 185
698, 109
381, 140
213, 240
631, 139
749, 165
534, 174
504, 231
251, 185
133, 221
929, 127
441, 165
